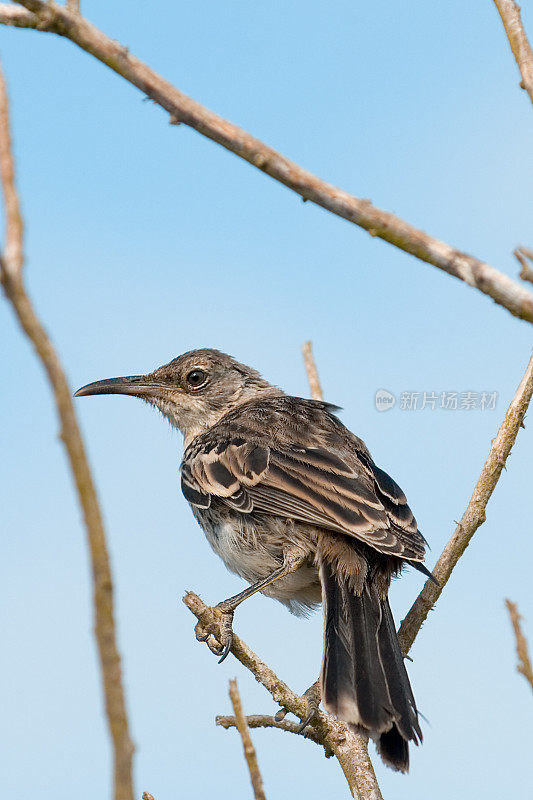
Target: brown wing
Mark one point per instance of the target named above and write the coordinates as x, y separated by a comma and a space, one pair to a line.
308, 484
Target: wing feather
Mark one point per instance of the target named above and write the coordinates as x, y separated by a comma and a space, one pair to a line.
308, 484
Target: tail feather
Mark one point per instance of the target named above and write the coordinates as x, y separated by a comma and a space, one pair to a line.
355, 687
400, 690
364, 680
394, 749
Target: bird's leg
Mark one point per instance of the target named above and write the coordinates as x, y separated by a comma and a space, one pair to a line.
292, 560
313, 697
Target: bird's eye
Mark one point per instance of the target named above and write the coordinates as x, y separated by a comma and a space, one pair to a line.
196, 378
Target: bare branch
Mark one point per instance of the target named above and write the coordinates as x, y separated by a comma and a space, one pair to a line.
350, 750
524, 662
73, 5
18, 17
13, 257
248, 747
13, 285
510, 13
522, 254
312, 372
474, 515
266, 721
502, 289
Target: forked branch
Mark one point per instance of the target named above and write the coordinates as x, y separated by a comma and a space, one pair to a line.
350, 750
58, 19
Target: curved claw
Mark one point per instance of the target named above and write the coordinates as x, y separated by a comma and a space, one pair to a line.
312, 698
219, 648
307, 721
226, 631
226, 649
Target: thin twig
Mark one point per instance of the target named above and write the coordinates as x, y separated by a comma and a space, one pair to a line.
503, 290
349, 749
13, 256
522, 254
13, 285
247, 744
510, 13
312, 372
266, 721
474, 515
524, 662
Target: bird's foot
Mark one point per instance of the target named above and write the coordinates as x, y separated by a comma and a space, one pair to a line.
219, 648
312, 697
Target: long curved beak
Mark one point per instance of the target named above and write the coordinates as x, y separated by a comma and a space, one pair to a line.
136, 385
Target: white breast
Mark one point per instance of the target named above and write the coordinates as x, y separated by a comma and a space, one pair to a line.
238, 547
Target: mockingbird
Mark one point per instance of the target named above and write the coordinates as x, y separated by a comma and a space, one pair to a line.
292, 502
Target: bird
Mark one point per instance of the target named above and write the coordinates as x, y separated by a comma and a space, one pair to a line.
293, 502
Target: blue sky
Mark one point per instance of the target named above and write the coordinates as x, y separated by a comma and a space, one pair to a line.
145, 240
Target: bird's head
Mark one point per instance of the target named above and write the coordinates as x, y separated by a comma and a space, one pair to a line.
194, 391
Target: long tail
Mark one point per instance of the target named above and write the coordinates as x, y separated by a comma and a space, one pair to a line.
364, 681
